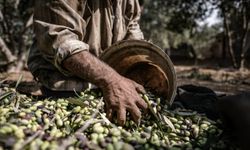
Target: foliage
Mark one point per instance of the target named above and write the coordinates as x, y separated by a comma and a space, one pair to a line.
237, 28
170, 20
15, 27
170, 23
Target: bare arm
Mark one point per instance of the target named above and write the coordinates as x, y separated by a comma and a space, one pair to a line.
120, 93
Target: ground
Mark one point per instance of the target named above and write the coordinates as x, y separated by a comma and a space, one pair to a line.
228, 81
223, 81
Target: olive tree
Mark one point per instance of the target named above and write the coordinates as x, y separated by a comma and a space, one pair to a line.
15, 32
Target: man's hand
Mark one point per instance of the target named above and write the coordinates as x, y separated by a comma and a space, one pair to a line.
121, 96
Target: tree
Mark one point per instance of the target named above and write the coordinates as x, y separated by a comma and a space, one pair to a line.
169, 24
15, 31
163, 19
236, 27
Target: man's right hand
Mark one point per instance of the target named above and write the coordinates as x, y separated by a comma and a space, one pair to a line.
121, 96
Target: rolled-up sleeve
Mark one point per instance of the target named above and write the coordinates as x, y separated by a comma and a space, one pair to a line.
133, 14
59, 30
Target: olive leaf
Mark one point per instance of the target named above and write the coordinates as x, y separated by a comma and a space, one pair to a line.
19, 80
185, 112
168, 122
105, 119
77, 102
6, 94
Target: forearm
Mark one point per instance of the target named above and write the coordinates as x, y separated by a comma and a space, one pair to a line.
90, 68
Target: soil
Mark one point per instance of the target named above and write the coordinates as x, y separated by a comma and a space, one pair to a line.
226, 80
223, 81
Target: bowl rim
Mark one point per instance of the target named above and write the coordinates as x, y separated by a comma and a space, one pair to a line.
146, 45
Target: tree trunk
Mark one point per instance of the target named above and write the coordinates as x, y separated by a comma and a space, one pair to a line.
18, 67
6, 52
229, 39
223, 60
245, 45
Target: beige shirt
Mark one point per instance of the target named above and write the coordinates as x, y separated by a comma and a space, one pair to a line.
65, 27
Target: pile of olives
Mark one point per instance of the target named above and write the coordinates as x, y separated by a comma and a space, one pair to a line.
81, 123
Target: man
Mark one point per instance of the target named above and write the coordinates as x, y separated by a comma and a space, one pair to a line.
69, 37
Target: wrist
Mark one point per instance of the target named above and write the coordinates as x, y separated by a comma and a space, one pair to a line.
110, 80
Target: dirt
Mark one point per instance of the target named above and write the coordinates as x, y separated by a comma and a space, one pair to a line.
227, 81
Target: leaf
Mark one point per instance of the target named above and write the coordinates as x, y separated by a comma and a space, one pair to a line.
168, 122
77, 94
185, 113
5, 95
105, 119
77, 102
19, 80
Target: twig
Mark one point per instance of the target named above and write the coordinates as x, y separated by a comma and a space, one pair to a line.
29, 22
91, 120
68, 141
6, 51
16, 103
30, 139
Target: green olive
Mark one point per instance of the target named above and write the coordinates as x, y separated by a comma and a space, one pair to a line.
59, 122
204, 126
115, 132
110, 147
77, 109
98, 129
19, 134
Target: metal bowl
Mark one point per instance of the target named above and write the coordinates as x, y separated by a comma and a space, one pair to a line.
145, 63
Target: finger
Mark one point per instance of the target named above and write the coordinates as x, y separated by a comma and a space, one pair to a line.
109, 114
142, 104
121, 116
139, 88
135, 113
106, 107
